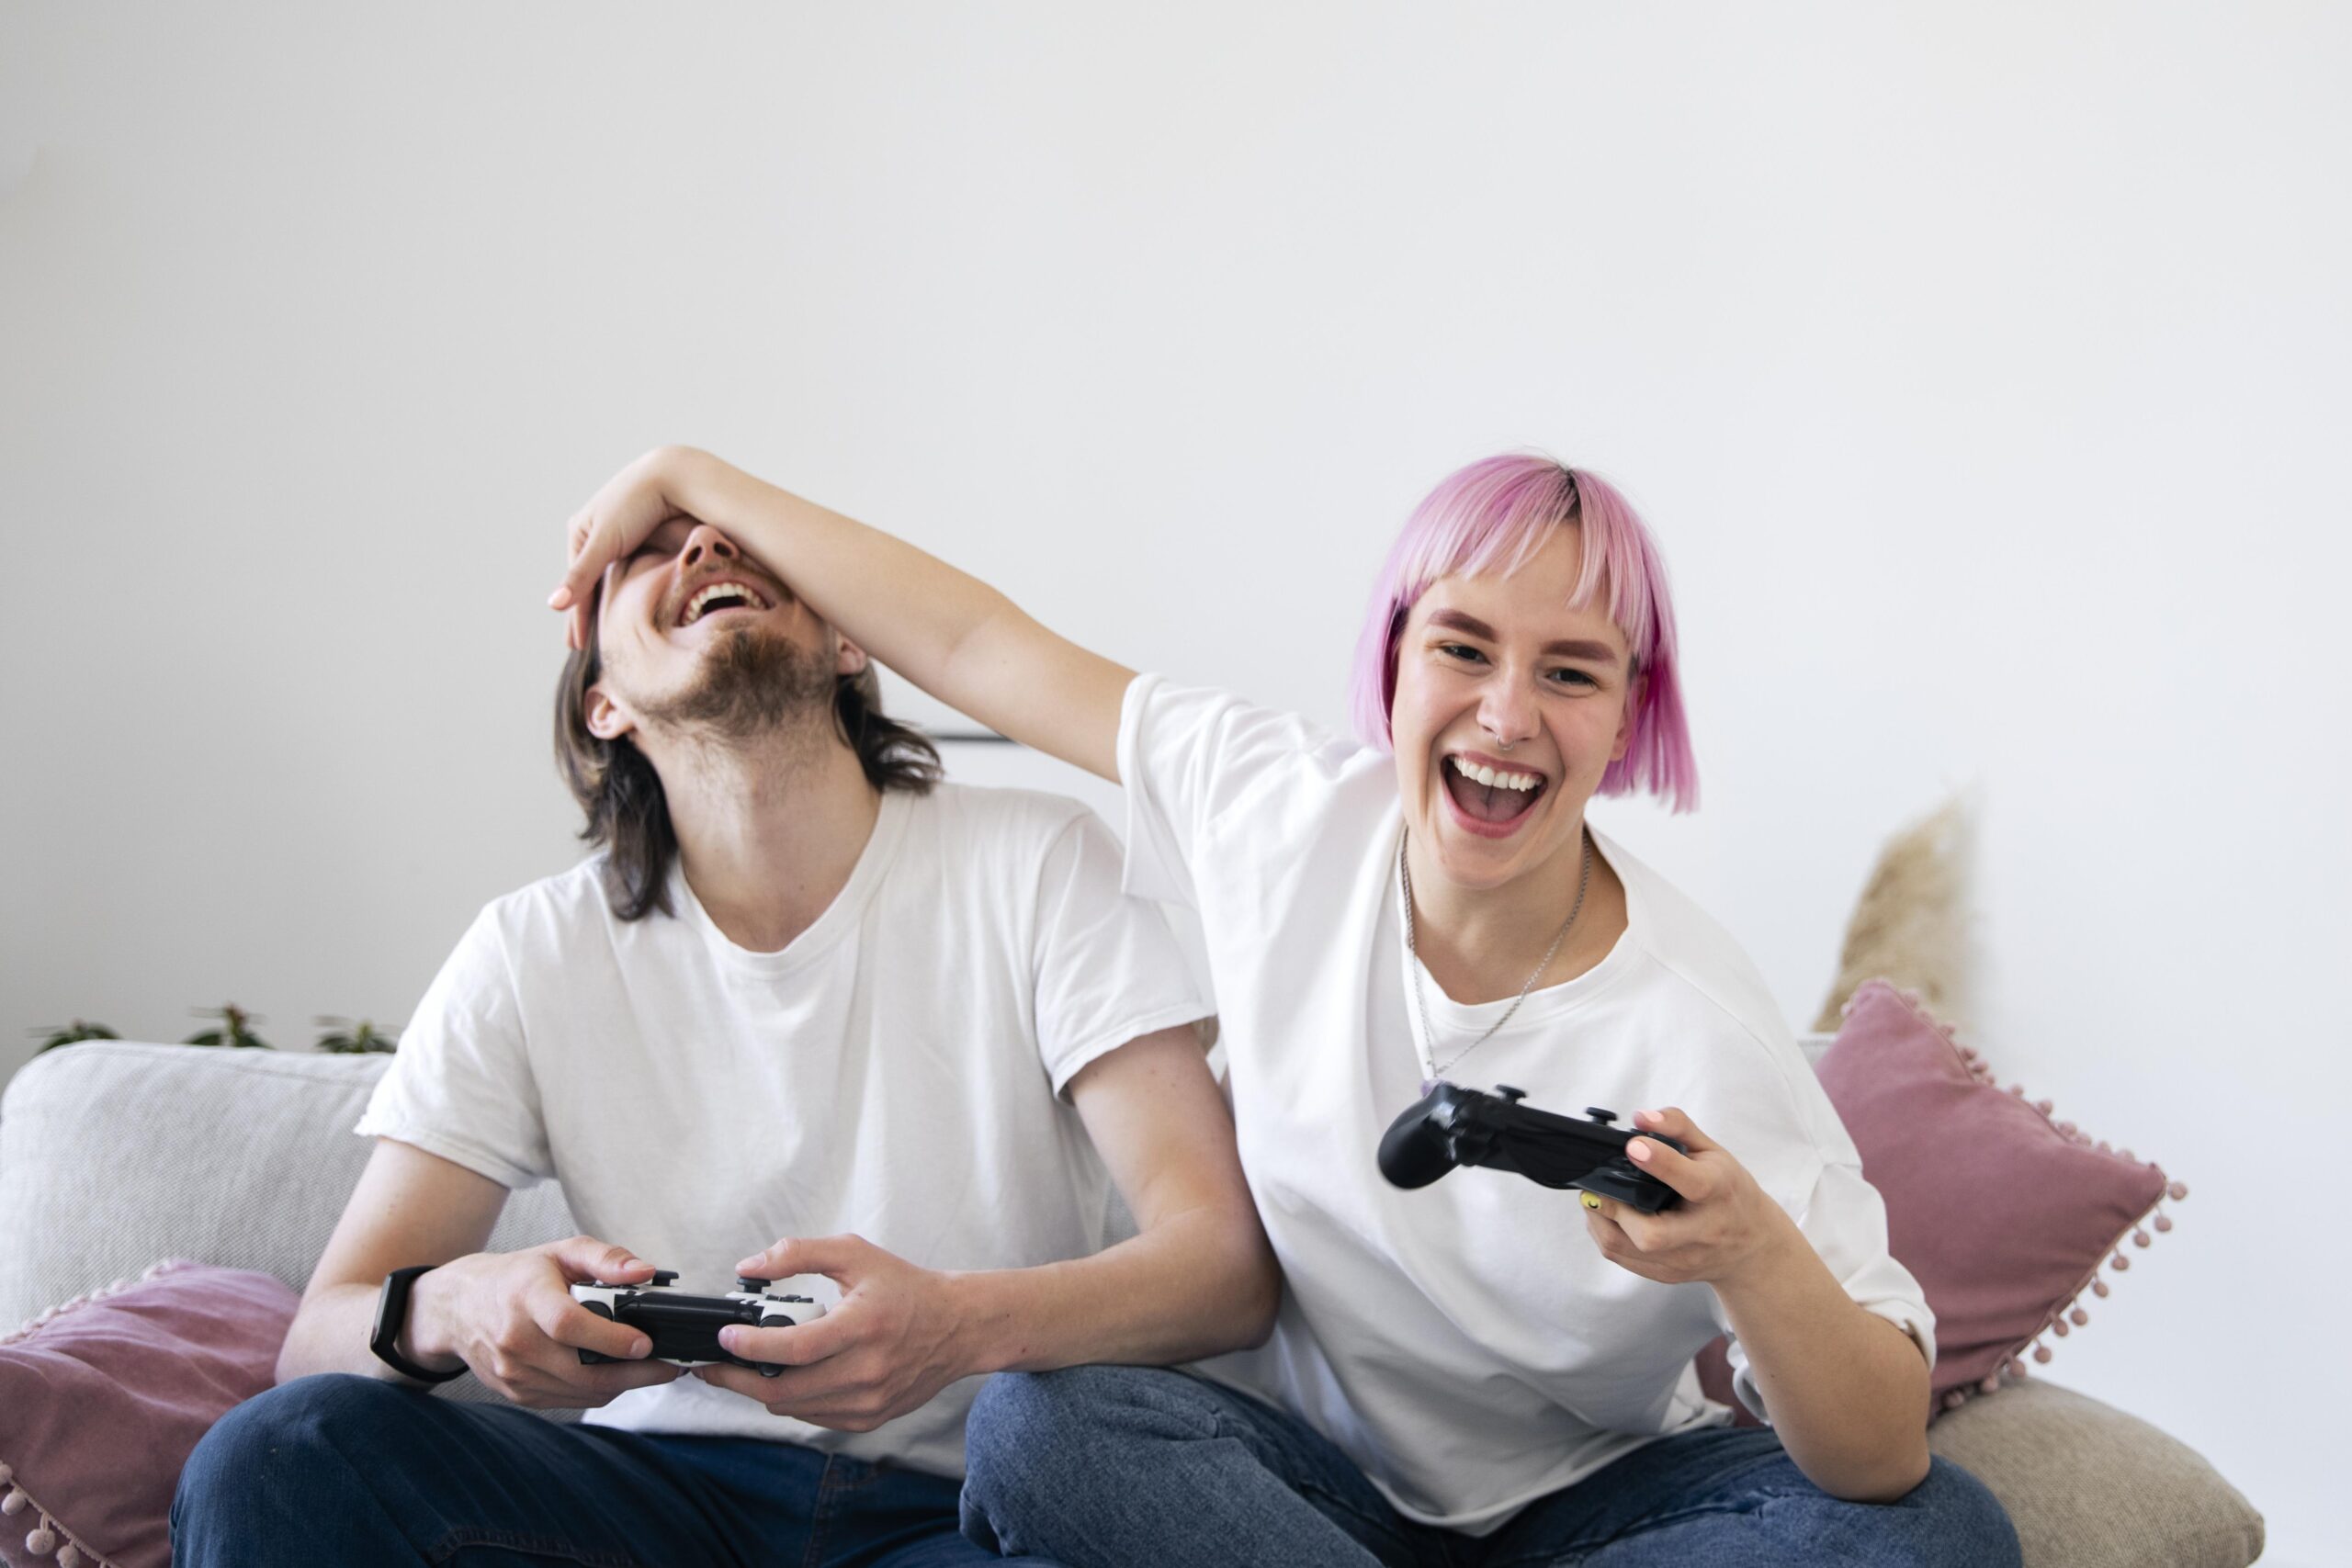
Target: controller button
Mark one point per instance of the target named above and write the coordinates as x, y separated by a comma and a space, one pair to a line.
1594, 1113
745, 1283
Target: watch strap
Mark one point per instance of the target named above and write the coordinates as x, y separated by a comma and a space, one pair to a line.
391, 1316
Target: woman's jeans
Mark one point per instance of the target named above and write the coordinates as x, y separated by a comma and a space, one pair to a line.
1118, 1465
356, 1471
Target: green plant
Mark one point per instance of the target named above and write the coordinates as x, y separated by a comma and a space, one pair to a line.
52, 1036
235, 1028
345, 1038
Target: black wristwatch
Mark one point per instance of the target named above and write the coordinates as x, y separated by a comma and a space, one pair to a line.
391, 1316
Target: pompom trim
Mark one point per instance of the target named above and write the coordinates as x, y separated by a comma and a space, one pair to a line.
47, 1535
2068, 1314
48, 1316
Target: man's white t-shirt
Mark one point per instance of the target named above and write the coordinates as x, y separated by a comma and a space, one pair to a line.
1465, 1344
895, 1072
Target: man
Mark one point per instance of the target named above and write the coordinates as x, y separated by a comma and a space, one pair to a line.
805, 1015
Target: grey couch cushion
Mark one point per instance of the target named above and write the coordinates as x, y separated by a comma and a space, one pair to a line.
114, 1154
2088, 1486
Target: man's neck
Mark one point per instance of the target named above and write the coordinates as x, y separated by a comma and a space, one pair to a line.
768, 832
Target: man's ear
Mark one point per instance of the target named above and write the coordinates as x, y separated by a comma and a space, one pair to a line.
1636, 694
850, 659
607, 720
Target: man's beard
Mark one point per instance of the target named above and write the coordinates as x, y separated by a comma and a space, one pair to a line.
750, 685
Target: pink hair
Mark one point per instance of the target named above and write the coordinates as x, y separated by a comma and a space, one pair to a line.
1492, 517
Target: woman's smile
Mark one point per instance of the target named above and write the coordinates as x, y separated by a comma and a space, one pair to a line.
1490, 798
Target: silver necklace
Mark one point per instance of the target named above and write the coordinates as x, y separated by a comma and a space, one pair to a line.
1412, 952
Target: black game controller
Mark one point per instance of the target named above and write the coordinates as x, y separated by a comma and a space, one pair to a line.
686, 1328
1451, 1126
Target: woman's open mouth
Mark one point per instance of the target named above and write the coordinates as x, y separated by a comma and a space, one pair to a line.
1490, 801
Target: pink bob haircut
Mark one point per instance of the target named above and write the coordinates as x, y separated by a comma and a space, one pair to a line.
1492, 517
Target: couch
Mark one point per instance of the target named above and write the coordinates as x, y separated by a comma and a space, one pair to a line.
114, 1154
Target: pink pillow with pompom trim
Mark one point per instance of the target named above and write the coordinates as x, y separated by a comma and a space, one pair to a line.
2004, 1215
107, 1395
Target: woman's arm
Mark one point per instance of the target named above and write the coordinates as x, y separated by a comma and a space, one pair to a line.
949, 633
1847, 1388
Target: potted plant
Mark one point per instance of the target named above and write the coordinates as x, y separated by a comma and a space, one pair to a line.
52, 1035
345, 1038
235, 1029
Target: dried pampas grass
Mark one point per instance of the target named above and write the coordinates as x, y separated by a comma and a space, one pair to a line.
1911, 923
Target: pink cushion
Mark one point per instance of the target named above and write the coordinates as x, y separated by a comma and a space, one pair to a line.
2002, 1214
105, 1397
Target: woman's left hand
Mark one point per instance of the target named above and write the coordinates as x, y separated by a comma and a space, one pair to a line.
1723, 1225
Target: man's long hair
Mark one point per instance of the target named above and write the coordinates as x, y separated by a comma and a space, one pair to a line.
628, 815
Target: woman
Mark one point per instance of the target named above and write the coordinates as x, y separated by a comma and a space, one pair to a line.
1482, 1369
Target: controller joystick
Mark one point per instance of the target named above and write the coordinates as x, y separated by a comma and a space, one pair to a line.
1451, 1126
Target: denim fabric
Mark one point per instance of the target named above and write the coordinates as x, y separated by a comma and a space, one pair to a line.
357, 1472
1122, 1466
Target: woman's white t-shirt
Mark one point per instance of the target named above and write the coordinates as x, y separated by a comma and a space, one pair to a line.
1465, 1344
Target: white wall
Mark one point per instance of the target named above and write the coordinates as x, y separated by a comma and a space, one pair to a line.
1984, 368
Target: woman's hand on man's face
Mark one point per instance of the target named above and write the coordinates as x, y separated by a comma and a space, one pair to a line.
1724, 1225
618, 518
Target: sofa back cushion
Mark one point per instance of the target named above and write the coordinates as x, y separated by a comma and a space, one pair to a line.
114, 1154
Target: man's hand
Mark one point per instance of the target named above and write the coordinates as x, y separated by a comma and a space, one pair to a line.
619, 517
510, 1316
896, 1338
1723, 1225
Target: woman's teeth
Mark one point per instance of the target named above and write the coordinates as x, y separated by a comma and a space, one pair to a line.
1494, 777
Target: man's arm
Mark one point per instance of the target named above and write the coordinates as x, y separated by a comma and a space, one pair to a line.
1197, 1279
410, 1207
500, 1313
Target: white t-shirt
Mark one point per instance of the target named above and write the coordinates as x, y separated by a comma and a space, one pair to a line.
1466, 1343
896, 1071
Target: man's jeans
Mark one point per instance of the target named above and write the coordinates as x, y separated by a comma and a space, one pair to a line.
356, 1471
1117, 1465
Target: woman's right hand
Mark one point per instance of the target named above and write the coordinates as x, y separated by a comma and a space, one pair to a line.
620, 516
510, 1316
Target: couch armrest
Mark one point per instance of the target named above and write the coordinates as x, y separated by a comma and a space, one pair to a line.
2088, 1486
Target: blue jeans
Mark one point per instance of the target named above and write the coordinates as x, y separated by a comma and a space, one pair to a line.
357, 1472
1120, 1465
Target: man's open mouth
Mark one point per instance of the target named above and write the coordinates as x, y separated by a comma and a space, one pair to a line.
713, 598
1491, 794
